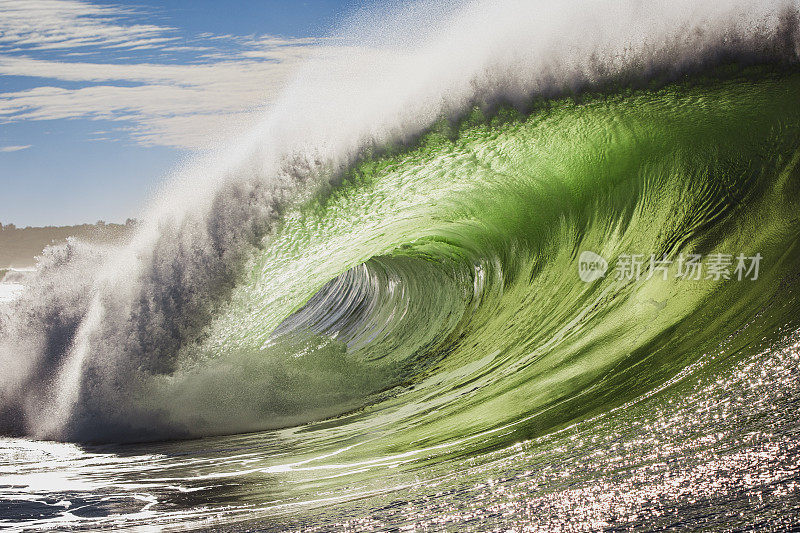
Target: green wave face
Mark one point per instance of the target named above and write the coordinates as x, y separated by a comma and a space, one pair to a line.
433, 300
419, 345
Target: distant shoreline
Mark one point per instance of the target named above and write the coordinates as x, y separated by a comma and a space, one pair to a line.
19, 247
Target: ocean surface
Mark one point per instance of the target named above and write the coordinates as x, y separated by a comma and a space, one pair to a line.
572, 309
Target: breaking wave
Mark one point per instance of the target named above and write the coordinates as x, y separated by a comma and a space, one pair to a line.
396, 244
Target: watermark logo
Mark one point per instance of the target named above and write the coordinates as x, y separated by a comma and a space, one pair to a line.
694, 267
591, 266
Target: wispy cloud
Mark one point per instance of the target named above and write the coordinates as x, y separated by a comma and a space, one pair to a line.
69, 24
14, 148
157, 101
163, 97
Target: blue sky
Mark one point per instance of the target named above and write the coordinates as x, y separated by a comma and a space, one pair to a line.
100, 100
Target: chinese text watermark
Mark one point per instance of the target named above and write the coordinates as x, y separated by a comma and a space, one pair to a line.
695, 267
